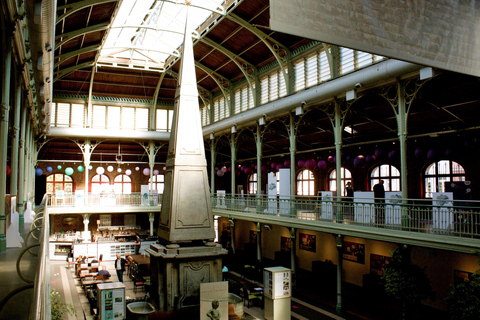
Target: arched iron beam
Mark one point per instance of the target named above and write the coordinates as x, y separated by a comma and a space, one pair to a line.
219, 80
71, 8
80, 32
62, 73
244, 66
272, 44
68, 55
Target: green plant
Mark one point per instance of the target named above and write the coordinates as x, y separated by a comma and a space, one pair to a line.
406, 282
60, 308
463, 300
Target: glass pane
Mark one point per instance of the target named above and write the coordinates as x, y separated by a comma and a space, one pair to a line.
59, 177
162, 123
78, 115
67, 178
99, 119
128, 116
50, 188
50, 177
113, 117
68, 187
141, 119
63, 115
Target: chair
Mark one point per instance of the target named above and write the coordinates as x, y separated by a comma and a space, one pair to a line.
248, 296
102, 277
138, 282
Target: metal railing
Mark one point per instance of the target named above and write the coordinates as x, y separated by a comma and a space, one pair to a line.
104, 200
449, 217
41, 308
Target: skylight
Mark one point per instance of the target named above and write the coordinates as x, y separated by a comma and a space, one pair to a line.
145, 33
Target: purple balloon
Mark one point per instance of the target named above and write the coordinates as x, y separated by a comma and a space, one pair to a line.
370, 158
432, 154
263, 168
156, 172
419, 153
274, 165
279, 166
349, 157
301, 163
310, 164
379, 153
287, 163
359, 161
248, 170
392, 155
322, 164
146, 171
220, 173
449, 152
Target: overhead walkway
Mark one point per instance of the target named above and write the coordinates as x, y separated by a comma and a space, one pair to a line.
447, 225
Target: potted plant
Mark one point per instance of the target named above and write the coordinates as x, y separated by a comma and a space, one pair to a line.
60, 308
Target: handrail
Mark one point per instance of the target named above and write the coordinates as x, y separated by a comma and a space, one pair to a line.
440, 216
136, 199
41, 304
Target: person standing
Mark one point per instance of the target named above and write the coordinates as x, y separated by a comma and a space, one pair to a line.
137, 245
120, 267
379, 198
349, 198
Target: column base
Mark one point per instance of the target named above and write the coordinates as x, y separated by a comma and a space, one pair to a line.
21, 222
3, 243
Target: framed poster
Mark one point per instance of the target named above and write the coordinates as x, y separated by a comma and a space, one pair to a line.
308, 242
461, 276
285, 244
378, 263
353, 252
253, 236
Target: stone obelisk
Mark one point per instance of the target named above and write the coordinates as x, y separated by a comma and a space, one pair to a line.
185, 255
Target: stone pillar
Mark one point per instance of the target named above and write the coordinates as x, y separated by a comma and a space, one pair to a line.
4, 112
339, 242
151, 219
21, 200
86, 220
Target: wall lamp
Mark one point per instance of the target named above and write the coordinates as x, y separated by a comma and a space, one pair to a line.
234, 128
261, 121
212, 136
351, 95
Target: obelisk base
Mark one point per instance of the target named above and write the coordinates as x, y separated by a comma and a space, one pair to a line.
176, 272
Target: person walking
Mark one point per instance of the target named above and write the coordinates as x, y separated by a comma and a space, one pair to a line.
120, 267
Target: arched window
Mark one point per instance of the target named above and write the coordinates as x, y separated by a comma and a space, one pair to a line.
122, 184
59, 181
158, 183
305, 183
389, 174
345, 176
440, 172
100, 182
252, 183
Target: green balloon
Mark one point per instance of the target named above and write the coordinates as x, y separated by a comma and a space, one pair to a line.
59, 167
80, 168
69, 171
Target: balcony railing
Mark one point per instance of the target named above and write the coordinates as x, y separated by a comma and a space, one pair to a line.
104, 200
448, 217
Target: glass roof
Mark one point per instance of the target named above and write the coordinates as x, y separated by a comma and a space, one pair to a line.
145, 33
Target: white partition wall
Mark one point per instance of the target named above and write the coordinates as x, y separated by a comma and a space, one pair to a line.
272, 193
393, 210
442, 210
364, 206
327, 205
284, 181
